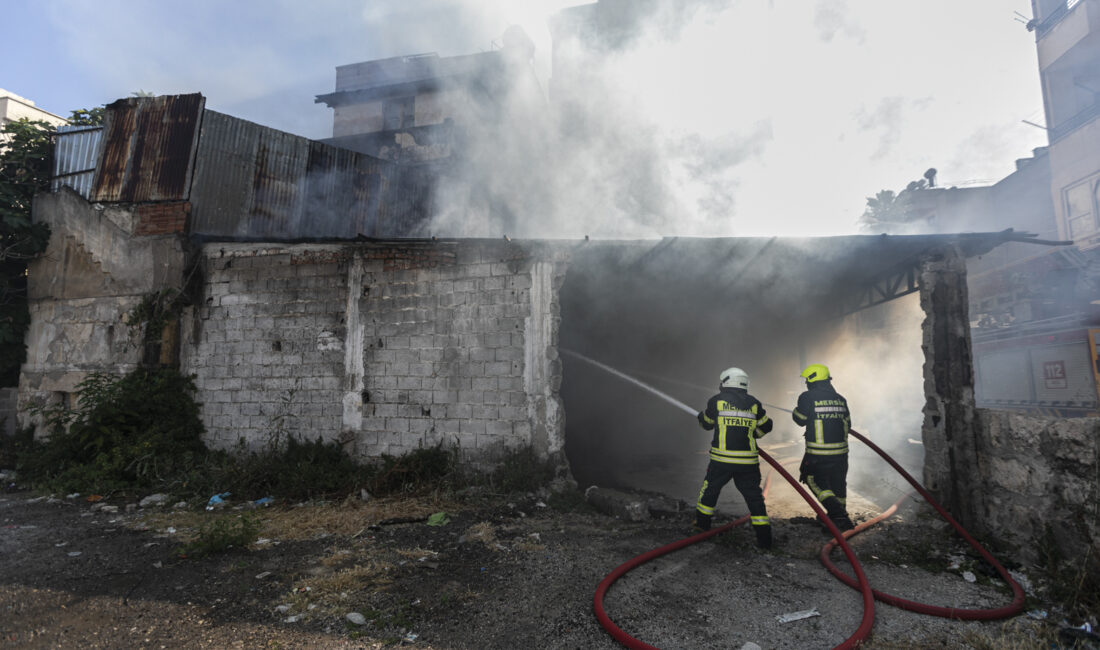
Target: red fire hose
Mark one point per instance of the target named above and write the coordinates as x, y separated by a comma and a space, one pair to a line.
859, 582
1011, 609
861, 633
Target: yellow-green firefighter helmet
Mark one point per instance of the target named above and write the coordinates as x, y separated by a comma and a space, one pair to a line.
815, 372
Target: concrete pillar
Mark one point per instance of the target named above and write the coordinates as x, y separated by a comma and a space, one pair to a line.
951, 465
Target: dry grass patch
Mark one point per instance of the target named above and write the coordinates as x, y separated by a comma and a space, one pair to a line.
310, 521
416, 554
485, 533
348, 518
336, 593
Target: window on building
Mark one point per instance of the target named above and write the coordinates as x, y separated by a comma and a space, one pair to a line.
1079, 212
399, 113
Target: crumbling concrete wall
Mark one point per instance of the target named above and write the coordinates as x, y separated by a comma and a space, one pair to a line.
1025, 481
950, 450
100, 262
1038, 482
385, 347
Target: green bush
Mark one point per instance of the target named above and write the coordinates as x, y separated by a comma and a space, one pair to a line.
130, 432
300, 470
522, 471
418, 470
142, 432
222, 533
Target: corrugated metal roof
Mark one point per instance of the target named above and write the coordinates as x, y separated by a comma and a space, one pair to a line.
243, 180
254, 182
147, 149
75, 154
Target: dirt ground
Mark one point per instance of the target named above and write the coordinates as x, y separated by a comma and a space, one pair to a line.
500, 572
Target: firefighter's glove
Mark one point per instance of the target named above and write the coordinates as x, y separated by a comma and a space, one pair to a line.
803, 470
702, 419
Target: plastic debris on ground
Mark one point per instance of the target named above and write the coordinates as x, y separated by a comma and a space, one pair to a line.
92, 498
263, 502
217, 501
261, 576
356, 618
410, 637
1079, 637
969, 577
1038, 614
439, 519
797, 616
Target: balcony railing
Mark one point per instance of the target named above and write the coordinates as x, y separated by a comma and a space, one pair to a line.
1082, 118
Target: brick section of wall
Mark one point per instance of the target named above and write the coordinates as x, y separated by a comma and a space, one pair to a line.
435, 353
162, 218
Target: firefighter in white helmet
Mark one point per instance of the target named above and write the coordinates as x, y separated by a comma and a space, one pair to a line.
824, 413
737, 419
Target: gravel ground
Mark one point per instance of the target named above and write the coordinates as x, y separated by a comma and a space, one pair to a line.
502, 573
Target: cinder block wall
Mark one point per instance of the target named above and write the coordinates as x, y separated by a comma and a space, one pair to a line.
383, 347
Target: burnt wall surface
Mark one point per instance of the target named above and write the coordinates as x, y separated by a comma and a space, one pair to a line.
384, 347
948, 430
674, 314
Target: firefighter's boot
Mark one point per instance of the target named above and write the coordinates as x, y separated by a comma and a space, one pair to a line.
838, 513
763, 536
701, 524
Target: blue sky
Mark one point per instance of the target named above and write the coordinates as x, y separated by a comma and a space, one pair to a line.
853, 95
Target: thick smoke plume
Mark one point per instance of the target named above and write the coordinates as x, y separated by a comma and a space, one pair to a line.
710, 118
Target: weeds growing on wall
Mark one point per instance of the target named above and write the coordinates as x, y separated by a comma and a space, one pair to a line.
433, 467
141, 433
134, 431
1074, 582
521, 470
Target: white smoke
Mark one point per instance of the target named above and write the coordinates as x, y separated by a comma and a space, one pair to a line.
725, 118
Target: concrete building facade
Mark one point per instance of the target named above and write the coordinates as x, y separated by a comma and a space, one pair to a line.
13, 107
1068, 45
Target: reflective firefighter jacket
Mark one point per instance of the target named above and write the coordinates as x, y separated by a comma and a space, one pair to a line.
737, 419
824, 413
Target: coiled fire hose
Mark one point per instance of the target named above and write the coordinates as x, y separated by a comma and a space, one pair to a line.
1011, 609
859, 582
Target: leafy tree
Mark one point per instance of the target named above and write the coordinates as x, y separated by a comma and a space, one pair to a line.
87, 117
26, 151
888, 211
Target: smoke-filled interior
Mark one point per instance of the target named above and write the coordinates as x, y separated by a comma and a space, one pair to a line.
674, 313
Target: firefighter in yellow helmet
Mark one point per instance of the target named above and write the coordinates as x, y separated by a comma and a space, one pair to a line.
737, 419
824, 413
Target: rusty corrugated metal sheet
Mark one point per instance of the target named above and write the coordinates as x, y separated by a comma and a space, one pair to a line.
75, 152
259, 183
147, 150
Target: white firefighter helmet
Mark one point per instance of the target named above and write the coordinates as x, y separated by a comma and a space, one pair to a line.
734, 378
